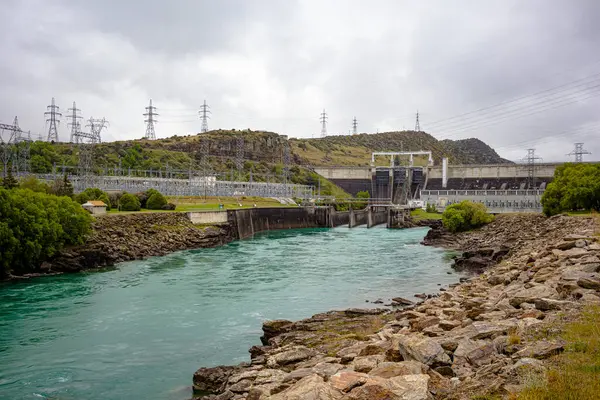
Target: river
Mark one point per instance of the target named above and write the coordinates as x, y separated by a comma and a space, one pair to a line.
140, 331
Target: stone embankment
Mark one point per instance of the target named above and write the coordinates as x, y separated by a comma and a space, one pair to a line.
475, 338
118, 238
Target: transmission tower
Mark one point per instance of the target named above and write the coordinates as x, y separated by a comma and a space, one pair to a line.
53, 118
74, 123
354, 126
530, 161
579, 152
286, 161
417, 124
323, 120
204, 111
239, 155
96, 126
150, 120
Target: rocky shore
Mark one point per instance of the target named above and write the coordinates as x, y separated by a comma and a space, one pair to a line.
118, 238
479, 337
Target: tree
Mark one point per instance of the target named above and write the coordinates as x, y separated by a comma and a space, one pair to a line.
156, 202
34, 184
129, 202
63, 187
9, 181
465, 216
40, 164
34, 226
575, 187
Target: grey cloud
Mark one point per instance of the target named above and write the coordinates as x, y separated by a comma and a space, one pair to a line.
275, 64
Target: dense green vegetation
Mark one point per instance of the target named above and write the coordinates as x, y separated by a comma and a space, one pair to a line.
156, 202
129, 202
34, 226
465, 216
576, 187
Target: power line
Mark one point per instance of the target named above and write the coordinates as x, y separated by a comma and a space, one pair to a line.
150, 120
204, 111
53, 118
524, 112
323, 121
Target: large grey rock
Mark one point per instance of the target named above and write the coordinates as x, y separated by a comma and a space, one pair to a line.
589, 282
541, 349
347, 380
424, 350
406, 387
367, 363
291, 356
312, 387
475, 352
391, 369
531, 294
550, 304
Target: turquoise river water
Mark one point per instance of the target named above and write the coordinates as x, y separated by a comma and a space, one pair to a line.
140, 331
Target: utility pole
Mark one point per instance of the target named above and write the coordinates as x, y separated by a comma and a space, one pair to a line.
74, 124
204, 111
417, 124
150, 120
579, 152
354, 126
53, 118
323, 120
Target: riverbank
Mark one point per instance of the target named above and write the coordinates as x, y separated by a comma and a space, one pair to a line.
478, 338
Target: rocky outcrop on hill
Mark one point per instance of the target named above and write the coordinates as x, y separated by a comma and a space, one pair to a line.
118, 238
476, 338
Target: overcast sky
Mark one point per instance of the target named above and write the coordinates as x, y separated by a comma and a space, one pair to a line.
275, 65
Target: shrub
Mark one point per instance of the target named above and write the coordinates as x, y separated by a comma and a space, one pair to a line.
82, 198
430, 208
114, 197
129, 202
34, 226
144, 196
169, 206
465, 216
156, 202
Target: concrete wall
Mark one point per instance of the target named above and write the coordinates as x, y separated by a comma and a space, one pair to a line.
492, 171
208, 217
344, 172
376, 217
357, 217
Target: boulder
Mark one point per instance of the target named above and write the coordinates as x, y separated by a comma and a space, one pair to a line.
531, 294
274, 328
212, 380
347, 380
367, 363
402, 301
312, 387
390, 369
407, 387
297, 354
589, 282
422, 323
326, 370
549, 304
475, 352
449, 325
541, 349
423, 350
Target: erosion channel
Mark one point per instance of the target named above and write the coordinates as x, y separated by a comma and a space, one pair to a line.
140, 330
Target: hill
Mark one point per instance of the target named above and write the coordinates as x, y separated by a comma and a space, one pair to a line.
263, 153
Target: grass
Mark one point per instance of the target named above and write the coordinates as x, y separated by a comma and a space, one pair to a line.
199, 203
574, 374
420, 214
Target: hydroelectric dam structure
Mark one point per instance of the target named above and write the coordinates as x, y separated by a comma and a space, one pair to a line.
502, 188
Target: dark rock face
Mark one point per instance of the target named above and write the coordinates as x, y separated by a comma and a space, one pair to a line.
118, 238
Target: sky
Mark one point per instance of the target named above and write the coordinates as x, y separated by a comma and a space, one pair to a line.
515, 74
